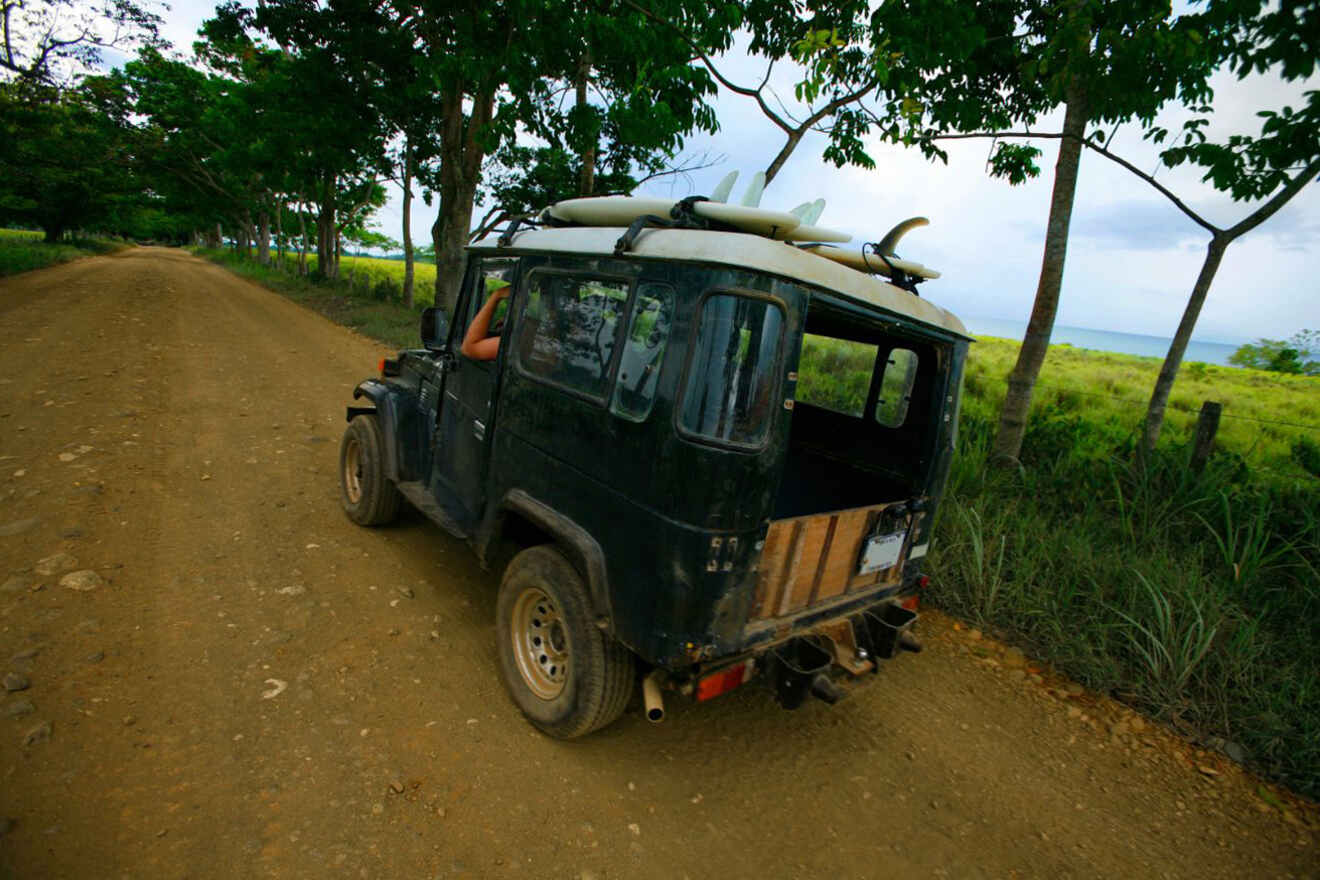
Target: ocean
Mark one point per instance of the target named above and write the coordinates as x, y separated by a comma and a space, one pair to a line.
1105, 340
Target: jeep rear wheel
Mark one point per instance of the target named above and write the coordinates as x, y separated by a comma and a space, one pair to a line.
566, 676
368, 496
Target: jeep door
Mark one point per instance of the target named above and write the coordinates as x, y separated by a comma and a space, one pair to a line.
467, 403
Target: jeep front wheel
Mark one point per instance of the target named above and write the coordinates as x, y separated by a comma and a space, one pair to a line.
566, 676
368, 496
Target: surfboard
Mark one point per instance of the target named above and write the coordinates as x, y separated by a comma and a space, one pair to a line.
814, 212
758, 221
608, 210
869, 262
816, 233
623, 210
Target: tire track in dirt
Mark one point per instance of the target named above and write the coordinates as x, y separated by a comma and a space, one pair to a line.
208, 501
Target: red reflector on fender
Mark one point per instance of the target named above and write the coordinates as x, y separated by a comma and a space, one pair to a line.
910, 603
380, 367
723, 681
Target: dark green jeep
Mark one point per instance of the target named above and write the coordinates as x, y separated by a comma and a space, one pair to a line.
716, 457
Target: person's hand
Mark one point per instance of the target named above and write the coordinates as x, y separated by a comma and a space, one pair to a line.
501, 293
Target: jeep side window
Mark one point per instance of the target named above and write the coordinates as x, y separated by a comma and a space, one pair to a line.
732, 380
491, 275
896, 382
835, 374
643, 352
569, 329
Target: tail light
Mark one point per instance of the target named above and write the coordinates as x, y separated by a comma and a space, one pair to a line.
724, 680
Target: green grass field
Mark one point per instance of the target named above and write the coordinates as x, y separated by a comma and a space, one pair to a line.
1194, 597
22, 250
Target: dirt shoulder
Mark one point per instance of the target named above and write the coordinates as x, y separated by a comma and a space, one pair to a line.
254, 686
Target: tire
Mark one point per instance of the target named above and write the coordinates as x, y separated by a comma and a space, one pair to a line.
368, 496
566, 676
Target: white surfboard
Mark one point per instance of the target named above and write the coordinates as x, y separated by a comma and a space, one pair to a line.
623, 210
758, 221
816, 233
870, 262
609, 210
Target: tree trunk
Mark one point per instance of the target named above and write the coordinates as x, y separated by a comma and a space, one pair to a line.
325, 231
587, 174
407, 225
1214, 253
54, 234
1021, 382
460, 170
778, 162
306, 241
279, 234
263, 238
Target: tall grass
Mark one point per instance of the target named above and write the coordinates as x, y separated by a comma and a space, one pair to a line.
22, 250
1193, 596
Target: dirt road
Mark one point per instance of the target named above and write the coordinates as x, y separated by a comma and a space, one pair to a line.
255, 687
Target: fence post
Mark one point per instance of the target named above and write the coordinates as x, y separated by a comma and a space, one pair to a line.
1207, 425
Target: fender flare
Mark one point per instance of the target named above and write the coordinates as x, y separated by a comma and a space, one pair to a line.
578, 545
386, 412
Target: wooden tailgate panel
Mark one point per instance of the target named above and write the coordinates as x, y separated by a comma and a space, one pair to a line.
811, 559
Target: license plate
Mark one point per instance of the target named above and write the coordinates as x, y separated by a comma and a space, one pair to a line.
882, 551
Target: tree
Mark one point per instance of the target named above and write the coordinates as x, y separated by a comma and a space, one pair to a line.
1106, 63
66, 165
1298, 355
54, 40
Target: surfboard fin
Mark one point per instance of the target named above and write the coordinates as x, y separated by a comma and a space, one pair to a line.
817, 208
752, 198
724, 187
889, 244
801, 210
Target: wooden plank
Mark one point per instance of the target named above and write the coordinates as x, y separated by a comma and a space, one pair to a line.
771, 572
844, 552
791, 562
797, 588
824, 558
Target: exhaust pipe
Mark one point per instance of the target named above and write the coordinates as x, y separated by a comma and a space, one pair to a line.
651, 699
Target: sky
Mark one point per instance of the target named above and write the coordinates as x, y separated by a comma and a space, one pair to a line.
1132, 256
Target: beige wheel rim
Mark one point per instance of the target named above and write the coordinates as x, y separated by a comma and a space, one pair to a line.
540, 643
353, 470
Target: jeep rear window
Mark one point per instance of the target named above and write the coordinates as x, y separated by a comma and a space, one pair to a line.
569, 329
732, 379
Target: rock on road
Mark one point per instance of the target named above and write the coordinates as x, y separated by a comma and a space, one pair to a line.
242, 683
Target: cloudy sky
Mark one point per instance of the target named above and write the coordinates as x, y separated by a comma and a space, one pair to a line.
1132, 256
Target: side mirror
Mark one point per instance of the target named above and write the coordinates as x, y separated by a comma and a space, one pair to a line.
435, 329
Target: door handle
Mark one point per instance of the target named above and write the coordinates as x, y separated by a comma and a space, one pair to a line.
479, 429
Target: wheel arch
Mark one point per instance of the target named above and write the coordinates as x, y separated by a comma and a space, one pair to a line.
385, 410
525, 521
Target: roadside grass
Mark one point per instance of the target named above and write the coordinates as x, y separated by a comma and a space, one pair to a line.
1194, 597
22, 250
